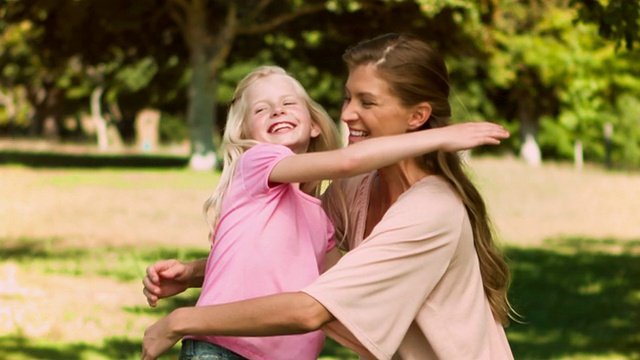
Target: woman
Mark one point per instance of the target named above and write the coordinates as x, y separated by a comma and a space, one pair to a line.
422, 279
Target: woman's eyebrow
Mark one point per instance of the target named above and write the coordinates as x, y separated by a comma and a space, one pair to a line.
365, 94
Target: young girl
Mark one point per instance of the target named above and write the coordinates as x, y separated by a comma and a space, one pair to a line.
271, 234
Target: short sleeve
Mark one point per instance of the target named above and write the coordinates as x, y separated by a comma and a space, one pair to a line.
377, 289
257, 163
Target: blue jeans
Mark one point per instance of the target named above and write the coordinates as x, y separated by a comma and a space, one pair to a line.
202, 350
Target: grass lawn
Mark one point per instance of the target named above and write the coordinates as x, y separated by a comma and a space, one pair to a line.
74, 244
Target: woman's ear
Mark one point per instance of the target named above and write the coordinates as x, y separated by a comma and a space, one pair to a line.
419, 116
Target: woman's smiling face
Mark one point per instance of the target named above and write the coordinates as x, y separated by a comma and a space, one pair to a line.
277, 114
369, 108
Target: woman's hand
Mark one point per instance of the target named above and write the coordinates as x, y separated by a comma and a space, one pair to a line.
166, 278
158, 338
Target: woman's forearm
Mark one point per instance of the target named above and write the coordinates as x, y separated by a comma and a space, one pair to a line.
281, 314
197, 268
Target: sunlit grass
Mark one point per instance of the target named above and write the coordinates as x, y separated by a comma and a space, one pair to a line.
140, 179
121, 263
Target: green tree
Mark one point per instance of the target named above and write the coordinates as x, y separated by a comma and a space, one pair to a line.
73, 49
618, 20
559, 77
209, 30
512, 61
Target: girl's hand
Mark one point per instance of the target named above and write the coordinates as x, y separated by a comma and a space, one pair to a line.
164, 279
468, 135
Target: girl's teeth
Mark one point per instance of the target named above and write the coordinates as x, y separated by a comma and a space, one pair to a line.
281, 126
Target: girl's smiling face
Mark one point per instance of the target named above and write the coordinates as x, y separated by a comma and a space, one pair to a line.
277, 114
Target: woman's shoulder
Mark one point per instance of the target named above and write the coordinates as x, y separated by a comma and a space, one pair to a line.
351, 186
354, 183
433, 195
436, 186
350, 193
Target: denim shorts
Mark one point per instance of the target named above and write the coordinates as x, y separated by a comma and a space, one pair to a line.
202, 350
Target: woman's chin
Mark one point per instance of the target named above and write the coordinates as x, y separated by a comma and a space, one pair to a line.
356, 139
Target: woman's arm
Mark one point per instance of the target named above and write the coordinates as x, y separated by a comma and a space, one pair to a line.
167, 278
281, 314
383, 151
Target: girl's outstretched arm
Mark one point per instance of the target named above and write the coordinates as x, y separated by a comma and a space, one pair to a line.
383, 151
281, 314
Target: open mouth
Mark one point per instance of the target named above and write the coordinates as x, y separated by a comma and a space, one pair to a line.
280, 126
358, 133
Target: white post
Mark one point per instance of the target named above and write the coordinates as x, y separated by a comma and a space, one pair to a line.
578, 155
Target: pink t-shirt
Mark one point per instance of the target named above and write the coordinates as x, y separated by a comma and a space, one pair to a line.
412, 289
270, 239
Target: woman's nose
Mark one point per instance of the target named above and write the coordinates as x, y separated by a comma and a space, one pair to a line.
348, 114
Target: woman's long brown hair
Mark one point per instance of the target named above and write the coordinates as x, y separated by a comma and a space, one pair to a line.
415, 73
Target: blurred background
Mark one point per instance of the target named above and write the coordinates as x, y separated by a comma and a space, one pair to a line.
110, 119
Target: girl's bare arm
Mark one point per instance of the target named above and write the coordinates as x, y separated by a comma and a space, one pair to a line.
376, 153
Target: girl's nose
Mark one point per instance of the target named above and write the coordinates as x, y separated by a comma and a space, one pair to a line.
277, 111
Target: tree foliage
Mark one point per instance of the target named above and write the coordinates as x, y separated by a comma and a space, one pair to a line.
616, 19
554, 69
73, 47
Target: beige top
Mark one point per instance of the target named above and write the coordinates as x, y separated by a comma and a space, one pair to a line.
412, 289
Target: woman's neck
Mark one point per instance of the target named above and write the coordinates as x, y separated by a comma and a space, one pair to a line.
387, 187
398, 178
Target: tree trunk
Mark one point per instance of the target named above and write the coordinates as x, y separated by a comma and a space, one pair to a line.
98, 120
9, 104
36, 96
578, 156
530, 151
200, 114
202, 90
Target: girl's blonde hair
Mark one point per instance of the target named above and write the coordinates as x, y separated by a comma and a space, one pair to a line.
236, 139
416, 73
